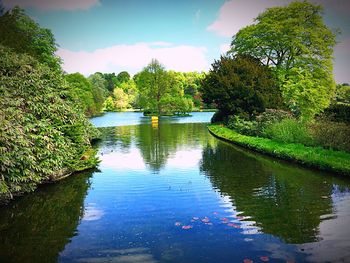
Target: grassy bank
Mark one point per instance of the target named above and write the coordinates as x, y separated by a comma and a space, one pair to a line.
316, 157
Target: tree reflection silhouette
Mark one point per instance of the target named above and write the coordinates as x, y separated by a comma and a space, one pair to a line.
282, 199
37, 227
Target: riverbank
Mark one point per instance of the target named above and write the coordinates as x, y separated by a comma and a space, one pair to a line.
87, 161
315, 157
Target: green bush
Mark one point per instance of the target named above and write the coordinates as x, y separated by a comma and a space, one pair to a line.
339, 112
289, 131
243, 126
271, 116
43, 134
333, 135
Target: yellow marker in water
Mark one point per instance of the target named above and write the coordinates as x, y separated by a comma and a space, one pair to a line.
154, 118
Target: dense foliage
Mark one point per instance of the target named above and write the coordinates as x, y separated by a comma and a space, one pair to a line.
240, 85
161, 92
19, 32
88, 92
295, 41
44, 134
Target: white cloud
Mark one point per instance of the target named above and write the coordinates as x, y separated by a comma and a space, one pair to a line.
53, 4
234, 15
135, 57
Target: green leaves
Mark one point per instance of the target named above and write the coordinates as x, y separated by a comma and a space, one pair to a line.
42, 131
240, 85
162, 92
296, 43
307, 93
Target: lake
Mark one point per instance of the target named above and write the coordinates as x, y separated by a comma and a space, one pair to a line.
171, 192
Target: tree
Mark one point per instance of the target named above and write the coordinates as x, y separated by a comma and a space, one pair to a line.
296, 43
285, 36
343, 93
111, 81
43, 132
307, 93
19, 32
129, 88
240, 85
123, 77
121, 100
153, 85
82, 91
99, 91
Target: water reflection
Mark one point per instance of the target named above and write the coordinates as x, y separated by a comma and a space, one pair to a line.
174, 193
283, 200
37, 227
156, 145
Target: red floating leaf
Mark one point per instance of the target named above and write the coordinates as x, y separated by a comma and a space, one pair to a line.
187, 227
247, 260
205, 220
264, 258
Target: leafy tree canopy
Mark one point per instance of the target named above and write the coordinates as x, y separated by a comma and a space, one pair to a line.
240, 85
296, 43
43, 132
123, 76
161, 91
285, 37
19, 32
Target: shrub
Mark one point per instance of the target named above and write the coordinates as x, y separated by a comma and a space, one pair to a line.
240, 85
243, 126
42, 133
332, 135
289, 131
271, 116
338, 112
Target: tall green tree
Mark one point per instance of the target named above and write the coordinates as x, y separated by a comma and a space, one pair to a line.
20, 33
297, 44
153, 85
111, 81
82, 91
286, 36
123, 77
99, 91
240, 85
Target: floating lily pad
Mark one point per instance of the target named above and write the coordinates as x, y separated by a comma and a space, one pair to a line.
264, 258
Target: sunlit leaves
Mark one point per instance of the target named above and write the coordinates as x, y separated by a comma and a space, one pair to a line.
42, 131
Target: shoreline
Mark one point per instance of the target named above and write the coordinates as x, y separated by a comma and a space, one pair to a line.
313, 157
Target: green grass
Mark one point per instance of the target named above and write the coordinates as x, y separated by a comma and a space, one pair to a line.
316, 157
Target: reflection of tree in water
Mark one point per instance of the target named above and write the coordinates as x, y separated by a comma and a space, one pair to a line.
283, 200
116, 138
158, 143
48, 220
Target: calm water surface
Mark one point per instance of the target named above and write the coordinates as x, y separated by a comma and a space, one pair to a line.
173, 193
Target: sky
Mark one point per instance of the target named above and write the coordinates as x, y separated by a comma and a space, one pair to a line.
184, 35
